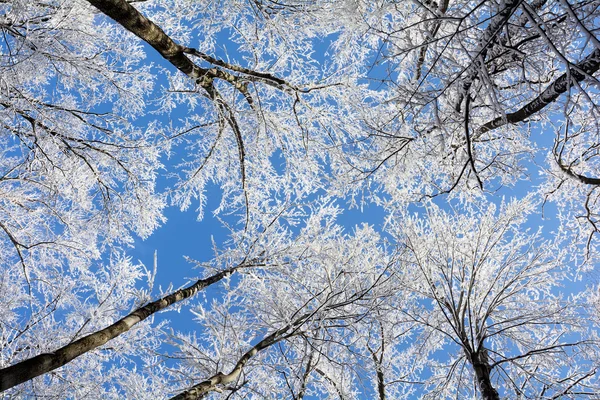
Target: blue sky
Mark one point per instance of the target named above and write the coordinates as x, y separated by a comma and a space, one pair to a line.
183, 235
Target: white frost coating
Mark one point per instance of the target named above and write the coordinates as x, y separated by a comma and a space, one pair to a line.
311, 98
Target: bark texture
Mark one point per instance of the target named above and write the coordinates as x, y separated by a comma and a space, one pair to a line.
44, 363
200, 390
132, 20
586, 68
482, 370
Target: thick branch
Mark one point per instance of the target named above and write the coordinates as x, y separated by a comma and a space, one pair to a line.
198, 391
213, 383
44, 363
581, 178
132, 20
578, 73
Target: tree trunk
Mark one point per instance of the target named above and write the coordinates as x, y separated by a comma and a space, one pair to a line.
482, 373
132, 20
44, 363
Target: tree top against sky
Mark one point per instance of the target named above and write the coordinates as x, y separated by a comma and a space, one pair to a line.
403, 195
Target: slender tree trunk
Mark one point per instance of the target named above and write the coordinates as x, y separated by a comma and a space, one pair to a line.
379, 372
44, 363
496, 24
305, 376
380, 383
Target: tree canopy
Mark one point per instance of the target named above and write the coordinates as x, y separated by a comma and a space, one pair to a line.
464, 134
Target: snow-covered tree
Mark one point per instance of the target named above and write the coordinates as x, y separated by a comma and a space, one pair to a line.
290, 111
489, 300
77, 178
482, 92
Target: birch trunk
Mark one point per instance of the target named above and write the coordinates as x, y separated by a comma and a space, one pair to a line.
132, 20
44, 363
